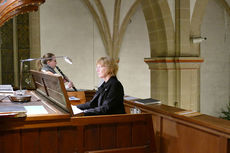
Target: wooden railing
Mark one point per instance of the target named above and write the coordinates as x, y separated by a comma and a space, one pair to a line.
191, 134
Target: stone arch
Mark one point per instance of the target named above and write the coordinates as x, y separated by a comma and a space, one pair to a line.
112, 42
226, 6
160, 27
196, 21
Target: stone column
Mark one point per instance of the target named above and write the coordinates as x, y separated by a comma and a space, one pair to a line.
15, 52
35, 44
0, 57
176, 81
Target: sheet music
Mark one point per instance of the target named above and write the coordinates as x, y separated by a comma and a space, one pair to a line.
6, 88
76, 110
38, 109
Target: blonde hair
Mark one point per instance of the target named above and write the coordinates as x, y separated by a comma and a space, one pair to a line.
110, 63
41, 62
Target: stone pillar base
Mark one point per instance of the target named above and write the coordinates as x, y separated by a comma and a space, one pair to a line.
176, 81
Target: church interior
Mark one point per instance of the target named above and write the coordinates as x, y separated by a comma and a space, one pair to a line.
175, 51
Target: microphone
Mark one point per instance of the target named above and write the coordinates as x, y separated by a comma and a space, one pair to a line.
65, 77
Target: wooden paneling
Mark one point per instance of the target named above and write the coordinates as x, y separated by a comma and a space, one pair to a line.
81, 134
179, 134
140, 138
10, 142
124, 135
91, 137
48, 140
67, 139
157, 124
108, 136
30, 141
187, 139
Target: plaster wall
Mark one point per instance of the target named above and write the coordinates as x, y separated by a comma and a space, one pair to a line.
67, 28
215, 71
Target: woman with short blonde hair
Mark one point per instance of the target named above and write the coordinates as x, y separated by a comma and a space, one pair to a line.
110, 63
110, 95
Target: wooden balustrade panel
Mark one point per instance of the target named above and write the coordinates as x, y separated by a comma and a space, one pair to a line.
44, 140
83, 134
10, 142
30, 141
140, 134
157, 129
181, 134
48, 140
188, 139
108, 136
124, 135
118, 135
67, 139
91, 137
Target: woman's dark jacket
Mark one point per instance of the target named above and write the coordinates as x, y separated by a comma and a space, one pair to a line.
107, 100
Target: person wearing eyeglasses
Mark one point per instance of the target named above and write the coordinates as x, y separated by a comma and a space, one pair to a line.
48, 65
109, 97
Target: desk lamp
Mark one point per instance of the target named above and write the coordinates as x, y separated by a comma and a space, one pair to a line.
20, 95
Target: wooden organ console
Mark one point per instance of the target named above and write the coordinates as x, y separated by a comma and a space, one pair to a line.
59, 130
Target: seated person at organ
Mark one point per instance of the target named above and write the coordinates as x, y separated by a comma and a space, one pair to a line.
110, 95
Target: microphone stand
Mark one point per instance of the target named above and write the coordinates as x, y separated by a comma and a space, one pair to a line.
65, 77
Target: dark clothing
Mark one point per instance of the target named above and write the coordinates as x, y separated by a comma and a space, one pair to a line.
107, 100
48, 68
